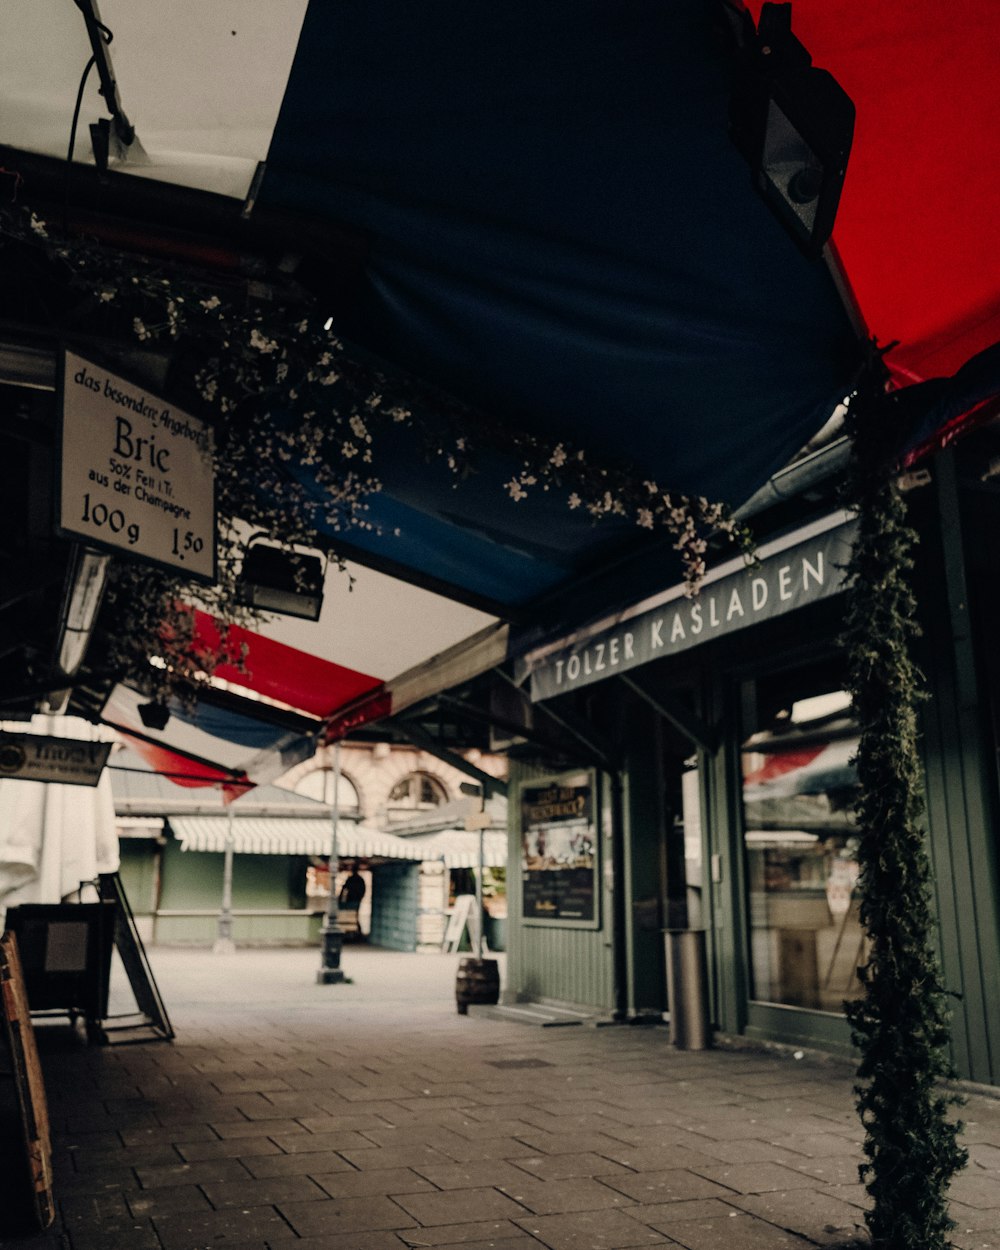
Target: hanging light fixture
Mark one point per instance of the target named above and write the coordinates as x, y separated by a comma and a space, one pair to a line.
795, 125
277, 579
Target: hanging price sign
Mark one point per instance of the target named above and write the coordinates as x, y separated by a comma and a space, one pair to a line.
137, 473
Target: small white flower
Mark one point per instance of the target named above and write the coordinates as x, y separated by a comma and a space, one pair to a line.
210, 303
261, 343
348, 450
328, 379
645, 519
515, 490
574, 500
358, 427
141, 332
38, 226
558, 457
107, 296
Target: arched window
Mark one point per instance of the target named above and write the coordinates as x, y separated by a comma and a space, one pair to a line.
416, 792
318, 784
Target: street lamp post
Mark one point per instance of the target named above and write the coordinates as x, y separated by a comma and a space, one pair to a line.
224, 944
330, 971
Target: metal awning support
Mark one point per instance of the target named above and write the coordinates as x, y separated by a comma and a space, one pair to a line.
421, 738
673, 711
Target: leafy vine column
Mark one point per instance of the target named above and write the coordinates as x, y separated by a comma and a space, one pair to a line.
901, 1022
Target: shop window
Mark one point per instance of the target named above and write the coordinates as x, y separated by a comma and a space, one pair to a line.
799, 789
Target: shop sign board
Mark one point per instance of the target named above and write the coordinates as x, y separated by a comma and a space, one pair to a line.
136, 473
38, 757
559, 851
790, 573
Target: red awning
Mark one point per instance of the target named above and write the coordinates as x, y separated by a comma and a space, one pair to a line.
917, 222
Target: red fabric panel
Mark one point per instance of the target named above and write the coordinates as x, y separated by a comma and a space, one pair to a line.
317, 687
184, 771
917, 223
372, 708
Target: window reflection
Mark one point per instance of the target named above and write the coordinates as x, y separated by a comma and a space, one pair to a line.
799, 792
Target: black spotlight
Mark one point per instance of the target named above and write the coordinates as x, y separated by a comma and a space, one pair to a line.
276, 579
795, 125
154, 715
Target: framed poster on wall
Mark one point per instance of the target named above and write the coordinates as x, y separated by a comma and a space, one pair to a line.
560, 847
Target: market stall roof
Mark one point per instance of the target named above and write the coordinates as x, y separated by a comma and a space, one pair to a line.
561, 234
287, 835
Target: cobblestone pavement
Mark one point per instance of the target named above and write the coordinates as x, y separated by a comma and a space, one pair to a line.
371, 1116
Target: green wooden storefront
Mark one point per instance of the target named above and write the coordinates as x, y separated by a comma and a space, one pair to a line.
686, 734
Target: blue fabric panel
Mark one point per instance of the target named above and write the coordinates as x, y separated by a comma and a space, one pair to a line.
562, 231
258, 735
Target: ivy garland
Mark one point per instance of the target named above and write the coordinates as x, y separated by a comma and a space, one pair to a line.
901, 1022
283, 392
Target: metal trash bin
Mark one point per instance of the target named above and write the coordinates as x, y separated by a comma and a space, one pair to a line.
687, 988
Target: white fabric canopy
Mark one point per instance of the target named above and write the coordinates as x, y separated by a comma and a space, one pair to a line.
286, 835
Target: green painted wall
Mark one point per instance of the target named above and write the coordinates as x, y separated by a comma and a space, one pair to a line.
549, 963
193, 880
138, 872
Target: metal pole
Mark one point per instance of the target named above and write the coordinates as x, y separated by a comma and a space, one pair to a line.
480, 925
330, 971
224, 944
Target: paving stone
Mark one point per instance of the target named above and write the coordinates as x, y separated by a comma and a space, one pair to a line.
820, 1146
557, 1167
735, 1231
345, 1215
658, 1158
262, 1192
310, 1143
828, 1170
211, 1228
591, 1230
229, 1130
167, 1133
476, 1233
352, 1184
822, 1219
458, 1205
199, 1173
975, 1189
672, 1185
235, 1148
472, 1175
303, 1164
401, 1157
754, 1178
132, 1234
171, 1200
576, 1193
540, 1142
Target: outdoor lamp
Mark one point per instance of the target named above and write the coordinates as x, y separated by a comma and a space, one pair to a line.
278, 580
154, 715
794, 124
85, 579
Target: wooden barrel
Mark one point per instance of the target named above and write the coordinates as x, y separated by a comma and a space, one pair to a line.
478, 981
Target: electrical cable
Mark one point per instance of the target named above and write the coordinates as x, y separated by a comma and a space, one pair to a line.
108, 36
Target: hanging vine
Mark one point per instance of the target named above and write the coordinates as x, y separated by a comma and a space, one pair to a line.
301, 422
901, 1022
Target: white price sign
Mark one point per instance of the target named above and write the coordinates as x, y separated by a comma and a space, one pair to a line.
137, 472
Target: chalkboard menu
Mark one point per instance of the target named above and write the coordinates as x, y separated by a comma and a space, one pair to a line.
559, 848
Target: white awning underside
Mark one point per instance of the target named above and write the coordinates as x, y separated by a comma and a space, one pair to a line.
275, 835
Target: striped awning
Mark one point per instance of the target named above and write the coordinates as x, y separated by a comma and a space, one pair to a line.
278, 835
